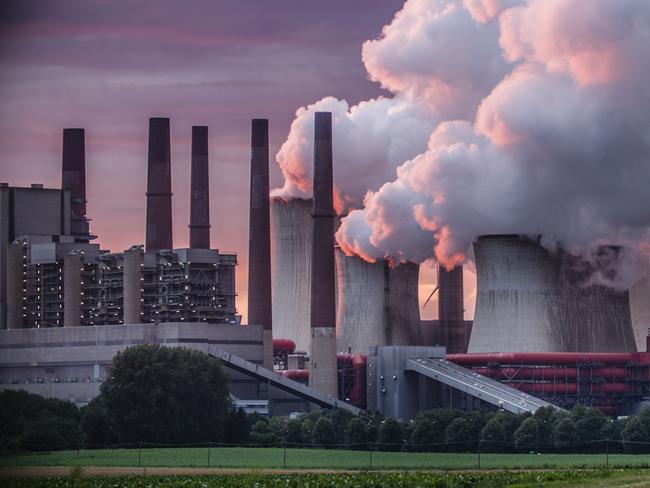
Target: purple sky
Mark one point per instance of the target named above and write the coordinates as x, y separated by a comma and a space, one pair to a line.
109, 66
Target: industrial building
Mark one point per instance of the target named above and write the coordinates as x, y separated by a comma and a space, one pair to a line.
325, 329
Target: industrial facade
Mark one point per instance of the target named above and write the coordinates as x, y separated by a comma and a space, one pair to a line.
317, 316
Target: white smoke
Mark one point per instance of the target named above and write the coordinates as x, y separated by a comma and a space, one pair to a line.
560, 147
417, 59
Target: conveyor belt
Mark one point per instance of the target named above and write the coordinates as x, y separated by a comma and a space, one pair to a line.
477, 385
260, 373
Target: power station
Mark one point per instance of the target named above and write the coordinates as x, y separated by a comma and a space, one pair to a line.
325, 329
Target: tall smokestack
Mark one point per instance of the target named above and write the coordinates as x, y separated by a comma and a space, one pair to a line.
451, 310
200, 191
259, 239
74, 178
323, 374
159, 187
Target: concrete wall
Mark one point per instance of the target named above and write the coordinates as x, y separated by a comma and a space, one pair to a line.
529, 300
70, 363
361, 318
291, 238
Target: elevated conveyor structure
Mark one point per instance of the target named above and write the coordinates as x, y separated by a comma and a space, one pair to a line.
476, 385
281, 382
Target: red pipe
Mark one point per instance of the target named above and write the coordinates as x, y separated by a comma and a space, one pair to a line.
477, 359
570, 388
550, 373
284, 345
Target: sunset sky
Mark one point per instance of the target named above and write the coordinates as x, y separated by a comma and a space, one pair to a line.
109, 66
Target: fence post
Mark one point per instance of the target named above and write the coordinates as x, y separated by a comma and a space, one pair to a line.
209, 449
370, 449
139, 453
607, 453
284, 455
478, 460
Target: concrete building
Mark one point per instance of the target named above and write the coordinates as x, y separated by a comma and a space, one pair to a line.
71, 363
42, 213
531, 300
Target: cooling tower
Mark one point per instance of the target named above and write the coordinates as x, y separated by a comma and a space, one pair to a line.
403, 306
361, 315
640, 308
291, 238
529, 300
200, 190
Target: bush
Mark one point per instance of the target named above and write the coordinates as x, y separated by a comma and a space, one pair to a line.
262, 434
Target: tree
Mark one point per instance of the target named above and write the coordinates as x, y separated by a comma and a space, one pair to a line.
527, 436
493, 435
32, 422
634, 434
237, 426
323, 434
294, 432
426, 434
262, 434
340, 419
389, 435
356, 434
96, 424
565, 434
166, 395
589, 423
460, 434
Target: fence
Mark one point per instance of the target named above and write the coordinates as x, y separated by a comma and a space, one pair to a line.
365, 456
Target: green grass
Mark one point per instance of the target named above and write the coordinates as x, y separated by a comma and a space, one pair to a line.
232, 457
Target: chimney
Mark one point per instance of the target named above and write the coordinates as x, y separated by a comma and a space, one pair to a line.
200, 191
259, 240
159, 187
451, 310
323, 375
73, 179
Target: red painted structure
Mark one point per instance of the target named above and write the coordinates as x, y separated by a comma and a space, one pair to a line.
351, 373
607, 381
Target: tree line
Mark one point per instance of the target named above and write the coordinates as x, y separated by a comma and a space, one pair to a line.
173, 396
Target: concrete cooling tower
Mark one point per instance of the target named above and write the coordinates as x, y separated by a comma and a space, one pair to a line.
530, 300
291, 241
376, 305
640, 307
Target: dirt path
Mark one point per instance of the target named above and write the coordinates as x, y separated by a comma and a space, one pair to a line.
43, 471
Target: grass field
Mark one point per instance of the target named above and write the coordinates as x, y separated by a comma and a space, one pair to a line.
232, 457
